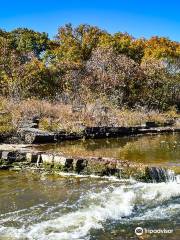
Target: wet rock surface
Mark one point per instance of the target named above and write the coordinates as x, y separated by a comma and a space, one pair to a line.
24, 158
158, 174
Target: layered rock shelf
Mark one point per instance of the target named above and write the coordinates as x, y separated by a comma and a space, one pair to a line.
24, 158
35, 136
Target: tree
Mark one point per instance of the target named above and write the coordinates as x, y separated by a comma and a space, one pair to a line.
163, 85
115, 75
29, 42
20, 79
161, 48
74, 45
86, 61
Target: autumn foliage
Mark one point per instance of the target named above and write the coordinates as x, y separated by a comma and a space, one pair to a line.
85, 63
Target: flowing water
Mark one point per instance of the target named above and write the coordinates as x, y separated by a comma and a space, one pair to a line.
44, 207
158, 149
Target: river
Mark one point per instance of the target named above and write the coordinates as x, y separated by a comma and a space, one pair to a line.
45, 207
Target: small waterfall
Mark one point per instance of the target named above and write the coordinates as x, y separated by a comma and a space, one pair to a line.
157, 174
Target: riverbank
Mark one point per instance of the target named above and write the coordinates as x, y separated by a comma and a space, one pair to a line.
39, 121
36, 136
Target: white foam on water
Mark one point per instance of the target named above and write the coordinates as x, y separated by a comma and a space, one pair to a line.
159, 212
177, 179
110, 178
112, 203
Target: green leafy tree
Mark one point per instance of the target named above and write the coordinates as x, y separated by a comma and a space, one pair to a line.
29, 42
74, 45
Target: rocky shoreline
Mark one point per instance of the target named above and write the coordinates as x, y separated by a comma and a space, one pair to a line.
37, 136
22, 157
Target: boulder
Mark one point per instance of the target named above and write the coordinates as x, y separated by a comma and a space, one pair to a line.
158, 174
33, 135
47, 158
31, 157
13, 156
59, 160
80, 165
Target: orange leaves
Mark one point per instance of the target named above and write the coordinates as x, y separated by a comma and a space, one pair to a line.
161, 48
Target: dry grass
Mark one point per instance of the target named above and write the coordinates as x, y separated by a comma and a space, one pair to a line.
58, 116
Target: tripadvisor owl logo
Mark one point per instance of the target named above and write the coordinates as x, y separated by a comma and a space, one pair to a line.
139, 231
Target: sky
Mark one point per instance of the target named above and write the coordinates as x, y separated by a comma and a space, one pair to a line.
140, 18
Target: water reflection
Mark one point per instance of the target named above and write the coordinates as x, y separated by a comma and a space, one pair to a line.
147, 149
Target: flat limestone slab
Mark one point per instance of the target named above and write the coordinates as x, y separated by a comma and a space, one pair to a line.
14, 147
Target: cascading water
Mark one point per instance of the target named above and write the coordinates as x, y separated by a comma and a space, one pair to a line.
86, 209
157, 174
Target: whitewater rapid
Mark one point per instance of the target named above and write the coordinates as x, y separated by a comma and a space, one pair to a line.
126, 202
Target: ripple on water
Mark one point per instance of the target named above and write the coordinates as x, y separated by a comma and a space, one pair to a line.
91, 209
